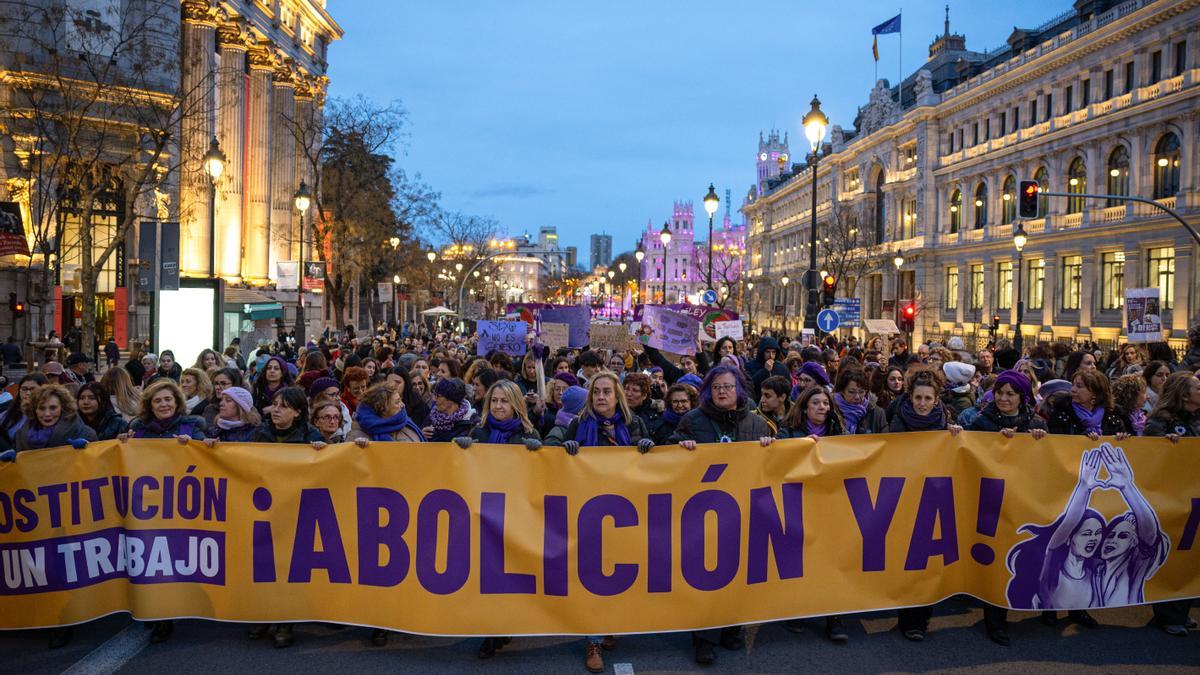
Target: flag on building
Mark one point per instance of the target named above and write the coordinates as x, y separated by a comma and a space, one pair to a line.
892, 25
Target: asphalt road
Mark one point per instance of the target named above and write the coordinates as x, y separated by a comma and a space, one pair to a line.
956, 642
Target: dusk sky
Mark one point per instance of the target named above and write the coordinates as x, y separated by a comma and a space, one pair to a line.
597, 116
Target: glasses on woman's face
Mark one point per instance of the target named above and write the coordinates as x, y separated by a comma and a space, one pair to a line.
331, 417
724, 387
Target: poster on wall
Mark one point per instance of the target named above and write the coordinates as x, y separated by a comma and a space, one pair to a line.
1143, 315
12, 230
168, 248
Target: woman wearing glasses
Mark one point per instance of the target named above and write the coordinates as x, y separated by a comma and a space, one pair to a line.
723, 417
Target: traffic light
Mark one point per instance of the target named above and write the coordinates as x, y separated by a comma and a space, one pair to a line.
995, 322
828, 290
1027, 200
16, 306
908, 318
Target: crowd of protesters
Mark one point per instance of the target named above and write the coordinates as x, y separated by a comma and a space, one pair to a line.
394, 386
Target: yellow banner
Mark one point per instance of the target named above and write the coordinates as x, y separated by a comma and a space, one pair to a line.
430, 538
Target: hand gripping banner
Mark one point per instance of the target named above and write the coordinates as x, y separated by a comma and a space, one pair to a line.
498, 540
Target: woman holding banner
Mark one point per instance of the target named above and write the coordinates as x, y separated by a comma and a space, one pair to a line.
605, 421
1176, 415
920, 409
1010, 412
723, 417
814, 416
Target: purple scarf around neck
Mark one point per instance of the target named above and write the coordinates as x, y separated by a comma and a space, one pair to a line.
1137, 420
588, 434
441, 422
817, 430
852, 413
1090, 421
499, 431
562, 418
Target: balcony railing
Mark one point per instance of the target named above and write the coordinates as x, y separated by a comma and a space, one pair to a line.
1113, 214
1071, 220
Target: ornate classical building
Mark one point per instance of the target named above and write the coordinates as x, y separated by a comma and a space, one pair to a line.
249, 74
1101, 99
678, 272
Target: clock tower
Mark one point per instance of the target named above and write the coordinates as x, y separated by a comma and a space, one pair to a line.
773, 157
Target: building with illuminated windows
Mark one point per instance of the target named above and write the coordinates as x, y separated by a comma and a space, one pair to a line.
241, 71
1103, 98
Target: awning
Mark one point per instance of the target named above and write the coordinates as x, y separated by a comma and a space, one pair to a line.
266, 310
246, 296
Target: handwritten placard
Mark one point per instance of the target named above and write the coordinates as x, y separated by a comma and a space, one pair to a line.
669, 331
503, 336
731, 329
577, 317
607, 336
555, 335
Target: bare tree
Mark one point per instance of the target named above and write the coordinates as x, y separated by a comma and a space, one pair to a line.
98, 110
846, 251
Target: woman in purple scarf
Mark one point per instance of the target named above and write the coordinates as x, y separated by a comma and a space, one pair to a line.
1089, 411
1129, 400
852, 397
504, 419
274, 377
452, 415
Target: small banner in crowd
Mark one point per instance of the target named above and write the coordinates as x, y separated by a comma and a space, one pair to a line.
610, 336
577, 318
1143, 315
555, 335
503, 336
668, 330
497, 540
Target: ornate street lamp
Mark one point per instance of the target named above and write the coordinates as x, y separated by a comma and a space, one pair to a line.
711, 202
1020, 238
815, 123
214, 165
302, 199
665, 237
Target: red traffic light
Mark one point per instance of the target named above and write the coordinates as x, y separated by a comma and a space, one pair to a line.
909, 311
830, 281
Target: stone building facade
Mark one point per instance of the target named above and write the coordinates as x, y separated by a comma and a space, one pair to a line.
1101, 99
243, 69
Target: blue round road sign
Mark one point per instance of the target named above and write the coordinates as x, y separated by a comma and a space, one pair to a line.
710, 296
828, 320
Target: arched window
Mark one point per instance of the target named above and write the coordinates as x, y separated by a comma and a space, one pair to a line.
955, 211
980, 205
1166, 167
1076, 184
1008, 200
1118, 174
1042, 177
879, 210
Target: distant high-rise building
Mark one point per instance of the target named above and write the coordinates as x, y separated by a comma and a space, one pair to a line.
601, 250
572, 257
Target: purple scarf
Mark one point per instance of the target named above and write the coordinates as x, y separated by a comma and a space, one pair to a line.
817, 430
562, 418
1137, 420
588, 434
384, 428
913, 421
1090, 421
671, 417
852, 413
441, 422
159, 427
39, 437
501, 430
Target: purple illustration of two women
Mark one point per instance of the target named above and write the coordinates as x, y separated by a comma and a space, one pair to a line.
1080, 560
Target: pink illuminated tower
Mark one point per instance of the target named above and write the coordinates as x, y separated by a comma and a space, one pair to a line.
683, 263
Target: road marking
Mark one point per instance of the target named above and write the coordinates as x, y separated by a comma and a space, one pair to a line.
114, 653
623, 669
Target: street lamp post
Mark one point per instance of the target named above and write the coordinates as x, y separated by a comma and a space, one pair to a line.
214, 166
611, 299
640, 255
302, 199
711, 201
785, 281
665, 237
749, 303
1019, 241
815, 123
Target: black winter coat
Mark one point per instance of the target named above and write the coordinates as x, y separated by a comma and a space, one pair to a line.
110, 427
66, 430
739, 425
480, 435
637, 430
301, 432
991, 419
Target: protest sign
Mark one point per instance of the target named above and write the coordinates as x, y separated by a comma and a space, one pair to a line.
433, 539
668, 330
504, 336
578, 317
731, 329
555, 335
1143, 315
607, 336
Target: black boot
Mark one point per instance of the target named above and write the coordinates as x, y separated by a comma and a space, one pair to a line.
702, 652
160, 631
379, 637
60, 637
283, 636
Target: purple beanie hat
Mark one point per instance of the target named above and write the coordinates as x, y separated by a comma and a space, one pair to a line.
570, 379
321, 384
1019, 383
240, 396
816, 371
